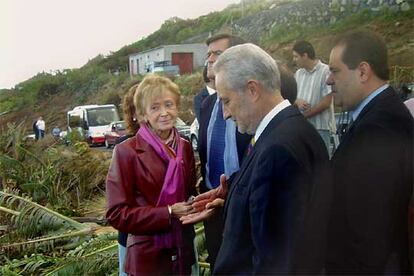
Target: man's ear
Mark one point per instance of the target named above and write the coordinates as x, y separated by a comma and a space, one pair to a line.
253, 89
365, 71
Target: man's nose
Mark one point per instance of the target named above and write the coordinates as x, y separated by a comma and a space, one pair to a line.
211, 58
330, 80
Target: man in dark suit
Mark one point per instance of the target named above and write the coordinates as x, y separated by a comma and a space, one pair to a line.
373, 165
220, 146
276, 208
208, 90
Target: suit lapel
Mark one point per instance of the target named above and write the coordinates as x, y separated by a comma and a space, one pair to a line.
371, 105
262, 141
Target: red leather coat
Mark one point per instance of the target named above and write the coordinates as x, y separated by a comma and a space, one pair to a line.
133, 184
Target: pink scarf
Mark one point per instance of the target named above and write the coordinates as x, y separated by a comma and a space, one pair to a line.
173, 188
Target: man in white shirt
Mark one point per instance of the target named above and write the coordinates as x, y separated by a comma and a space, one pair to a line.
41, 126
314, 98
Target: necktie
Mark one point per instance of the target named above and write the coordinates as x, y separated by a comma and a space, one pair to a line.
250, 147
217, 143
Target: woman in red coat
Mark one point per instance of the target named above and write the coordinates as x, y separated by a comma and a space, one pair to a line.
150, 178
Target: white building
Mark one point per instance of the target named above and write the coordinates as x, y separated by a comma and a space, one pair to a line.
186, 56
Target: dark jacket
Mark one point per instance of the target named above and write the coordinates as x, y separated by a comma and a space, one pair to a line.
277, 206
198, 100
373, 182
133, 185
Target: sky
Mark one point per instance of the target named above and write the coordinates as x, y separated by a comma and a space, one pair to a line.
48, 35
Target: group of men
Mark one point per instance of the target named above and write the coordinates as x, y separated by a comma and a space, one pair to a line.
288, 207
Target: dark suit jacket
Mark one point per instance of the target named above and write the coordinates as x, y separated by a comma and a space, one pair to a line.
242, 140
373, 178
198, 100
276, 208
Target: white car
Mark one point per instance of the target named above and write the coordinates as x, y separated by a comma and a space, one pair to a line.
194, 134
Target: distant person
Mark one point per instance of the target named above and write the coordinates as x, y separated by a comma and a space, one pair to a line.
373, 165
41, 126
35, 130
150, 179
56, 132
209, 89
314, 97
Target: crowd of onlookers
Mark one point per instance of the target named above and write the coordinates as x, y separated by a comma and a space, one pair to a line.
275, 198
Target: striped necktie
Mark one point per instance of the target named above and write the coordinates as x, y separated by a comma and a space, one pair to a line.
217, 144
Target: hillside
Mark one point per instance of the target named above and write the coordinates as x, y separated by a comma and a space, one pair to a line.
274, 25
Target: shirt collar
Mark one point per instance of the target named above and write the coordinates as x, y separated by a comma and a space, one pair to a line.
210, 90
315, 67
358, 109
266, 120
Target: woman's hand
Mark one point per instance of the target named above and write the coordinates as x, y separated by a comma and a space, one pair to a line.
180, 209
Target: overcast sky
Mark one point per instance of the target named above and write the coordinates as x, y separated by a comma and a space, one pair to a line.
44, 35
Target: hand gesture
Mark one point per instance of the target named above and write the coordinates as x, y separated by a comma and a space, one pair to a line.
206, 204
180, 209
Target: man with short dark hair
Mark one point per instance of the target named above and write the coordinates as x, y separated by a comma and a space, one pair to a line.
373, 165
314, 97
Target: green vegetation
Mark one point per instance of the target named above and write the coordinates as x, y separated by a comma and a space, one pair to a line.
284, 34
51, 173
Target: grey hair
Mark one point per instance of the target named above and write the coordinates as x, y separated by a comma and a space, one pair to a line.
245, 62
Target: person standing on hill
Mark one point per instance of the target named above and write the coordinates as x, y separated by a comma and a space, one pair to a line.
314, 98
35, 130
41, 126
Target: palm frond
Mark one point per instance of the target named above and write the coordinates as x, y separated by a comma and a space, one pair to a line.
39, 212
98, 256
31, 220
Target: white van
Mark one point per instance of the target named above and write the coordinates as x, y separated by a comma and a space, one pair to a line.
92, 121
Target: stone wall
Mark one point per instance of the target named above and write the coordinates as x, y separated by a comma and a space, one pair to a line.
311, 12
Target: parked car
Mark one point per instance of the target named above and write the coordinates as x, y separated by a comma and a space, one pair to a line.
116, 130
30, 137
194, 134
183, 129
